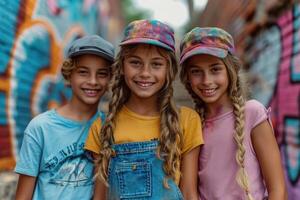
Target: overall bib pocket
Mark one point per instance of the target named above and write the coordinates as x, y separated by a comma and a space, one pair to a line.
134, 179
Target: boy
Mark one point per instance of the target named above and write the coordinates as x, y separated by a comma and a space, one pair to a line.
52, 162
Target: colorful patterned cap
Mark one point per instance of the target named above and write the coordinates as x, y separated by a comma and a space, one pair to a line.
149, 32
209, 40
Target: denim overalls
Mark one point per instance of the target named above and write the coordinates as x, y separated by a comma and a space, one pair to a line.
135, 172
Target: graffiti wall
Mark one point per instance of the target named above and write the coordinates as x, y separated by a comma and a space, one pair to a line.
33, 37
275, 81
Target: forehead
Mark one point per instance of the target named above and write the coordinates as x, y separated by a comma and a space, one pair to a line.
147, 50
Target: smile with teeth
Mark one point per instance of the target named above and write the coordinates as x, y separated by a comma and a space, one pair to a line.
208, 92
91, 92
144, 84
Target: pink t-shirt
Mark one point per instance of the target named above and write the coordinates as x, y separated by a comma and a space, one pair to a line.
217, 163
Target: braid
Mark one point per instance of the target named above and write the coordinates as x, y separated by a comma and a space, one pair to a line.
236, 95
119, 97
170, 132
238, 110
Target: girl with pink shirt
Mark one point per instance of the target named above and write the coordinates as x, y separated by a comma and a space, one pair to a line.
240, 158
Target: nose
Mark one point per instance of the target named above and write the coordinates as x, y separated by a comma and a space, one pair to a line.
206, 79
93, 79
145, 70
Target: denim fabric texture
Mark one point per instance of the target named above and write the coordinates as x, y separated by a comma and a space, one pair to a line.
135, 172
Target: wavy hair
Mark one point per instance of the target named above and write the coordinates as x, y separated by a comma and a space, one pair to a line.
67, 67
170, 133
237, 94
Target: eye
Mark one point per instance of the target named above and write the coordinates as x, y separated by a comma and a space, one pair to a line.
82, 72
157, 65
135, 62
103, 73
216, 69
195, 71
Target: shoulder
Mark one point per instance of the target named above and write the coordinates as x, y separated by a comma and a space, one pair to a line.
191, 129
255, 112
40, 119
186, 112
254, 107
188, 117
38, 126
97, 123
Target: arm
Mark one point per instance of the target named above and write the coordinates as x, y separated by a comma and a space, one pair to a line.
25, 188
268, 156
189, 170
99, 188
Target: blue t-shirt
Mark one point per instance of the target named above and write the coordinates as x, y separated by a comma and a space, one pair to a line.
52, 150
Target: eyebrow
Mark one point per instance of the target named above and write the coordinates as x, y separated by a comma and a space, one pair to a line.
81, 66
134, 56
211, 65
158, 58
155, 58
84, 67
217, 63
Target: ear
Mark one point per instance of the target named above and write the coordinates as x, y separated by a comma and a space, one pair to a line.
67, 83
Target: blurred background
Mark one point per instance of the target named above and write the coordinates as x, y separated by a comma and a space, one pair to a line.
34, 35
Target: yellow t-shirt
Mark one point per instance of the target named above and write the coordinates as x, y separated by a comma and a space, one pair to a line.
132, 127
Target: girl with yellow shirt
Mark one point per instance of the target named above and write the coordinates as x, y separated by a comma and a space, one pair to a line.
146, 148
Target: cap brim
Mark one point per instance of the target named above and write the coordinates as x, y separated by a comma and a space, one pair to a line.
220, 53
97, 53
146, 41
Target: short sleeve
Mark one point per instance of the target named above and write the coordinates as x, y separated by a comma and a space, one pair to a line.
93, 141
256, 113
192, 129
29, 156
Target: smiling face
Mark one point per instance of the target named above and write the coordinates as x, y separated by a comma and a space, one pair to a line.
208, 78
89, 80
145, 72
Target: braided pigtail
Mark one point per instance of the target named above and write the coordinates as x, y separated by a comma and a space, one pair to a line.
170, 132
236, 92
120, 94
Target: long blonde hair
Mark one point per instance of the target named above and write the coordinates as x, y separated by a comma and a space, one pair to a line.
170, 133
236, 92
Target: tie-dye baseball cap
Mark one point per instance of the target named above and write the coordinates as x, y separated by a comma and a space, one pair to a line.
208, 40
149, 32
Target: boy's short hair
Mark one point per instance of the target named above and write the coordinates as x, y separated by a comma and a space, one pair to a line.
91, 44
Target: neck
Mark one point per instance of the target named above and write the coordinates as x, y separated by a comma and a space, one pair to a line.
79, 113
146, 107
213, 110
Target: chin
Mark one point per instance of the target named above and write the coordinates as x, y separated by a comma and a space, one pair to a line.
91, 101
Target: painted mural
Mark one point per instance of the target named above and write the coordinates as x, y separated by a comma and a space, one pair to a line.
275, 81
33, 37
